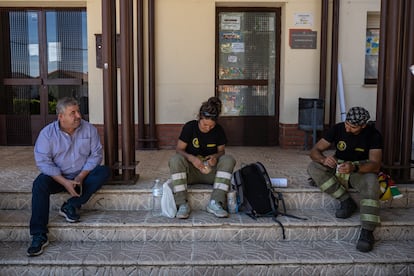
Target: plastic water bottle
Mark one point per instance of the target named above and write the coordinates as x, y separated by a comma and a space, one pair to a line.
156, 198
232, 205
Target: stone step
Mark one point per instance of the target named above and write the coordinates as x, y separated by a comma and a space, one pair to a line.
321, 224
139, 197
325, 257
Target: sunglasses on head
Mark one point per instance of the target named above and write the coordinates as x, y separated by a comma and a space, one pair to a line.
208, 114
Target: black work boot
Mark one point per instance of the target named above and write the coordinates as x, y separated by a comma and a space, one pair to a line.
366, 240
348, 207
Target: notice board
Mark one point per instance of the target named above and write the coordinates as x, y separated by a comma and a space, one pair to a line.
302, 39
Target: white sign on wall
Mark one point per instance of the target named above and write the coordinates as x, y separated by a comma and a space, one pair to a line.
303, 19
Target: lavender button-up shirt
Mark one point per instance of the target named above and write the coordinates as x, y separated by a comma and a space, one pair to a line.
58, 153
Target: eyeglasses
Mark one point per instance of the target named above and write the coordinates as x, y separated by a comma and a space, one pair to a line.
208, 114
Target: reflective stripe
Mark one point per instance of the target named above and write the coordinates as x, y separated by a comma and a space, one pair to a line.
370, 203
222, 174
221, 186
370, 218
178, 176
325, 186
179, 188
340, 192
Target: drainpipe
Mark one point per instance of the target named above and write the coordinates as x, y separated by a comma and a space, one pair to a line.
324, 47
334, 62
140, 61
151, 47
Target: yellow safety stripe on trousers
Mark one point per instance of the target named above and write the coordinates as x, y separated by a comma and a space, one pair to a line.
325, 186
223, 174
329, 183
370, 218
370, 203
179, 176
221, 186
340, 192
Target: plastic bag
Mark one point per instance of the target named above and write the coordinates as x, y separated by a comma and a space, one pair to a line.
168, 207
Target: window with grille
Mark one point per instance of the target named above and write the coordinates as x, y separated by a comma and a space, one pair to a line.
246, 47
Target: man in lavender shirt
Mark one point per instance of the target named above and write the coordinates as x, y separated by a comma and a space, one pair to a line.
68, 153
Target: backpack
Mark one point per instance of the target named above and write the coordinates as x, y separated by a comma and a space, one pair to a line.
255, 194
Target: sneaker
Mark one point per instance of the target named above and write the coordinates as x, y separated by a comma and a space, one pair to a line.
348, 207
69, 213
366, 241
39, 242
183, 211
216, 209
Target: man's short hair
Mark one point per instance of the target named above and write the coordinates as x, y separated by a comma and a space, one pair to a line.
65, 102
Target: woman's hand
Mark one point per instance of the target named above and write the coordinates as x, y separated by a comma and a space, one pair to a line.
211, 160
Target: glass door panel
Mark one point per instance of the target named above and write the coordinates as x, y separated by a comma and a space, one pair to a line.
24, 45
43, 57
66, 44
247, 60
247, 74
243, 100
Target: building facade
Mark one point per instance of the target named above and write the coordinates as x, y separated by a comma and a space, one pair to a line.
259, 57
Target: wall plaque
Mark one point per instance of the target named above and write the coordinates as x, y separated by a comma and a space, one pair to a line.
302, 39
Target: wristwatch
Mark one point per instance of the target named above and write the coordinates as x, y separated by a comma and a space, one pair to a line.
356, 168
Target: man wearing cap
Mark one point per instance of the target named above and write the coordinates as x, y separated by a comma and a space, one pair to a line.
356, 162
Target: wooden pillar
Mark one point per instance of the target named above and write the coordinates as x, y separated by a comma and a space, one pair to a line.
127, 90
110, 85
395, 86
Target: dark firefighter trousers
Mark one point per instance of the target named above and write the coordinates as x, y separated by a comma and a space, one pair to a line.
365, 183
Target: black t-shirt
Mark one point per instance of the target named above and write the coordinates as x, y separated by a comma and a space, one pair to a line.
351, 147
199, 143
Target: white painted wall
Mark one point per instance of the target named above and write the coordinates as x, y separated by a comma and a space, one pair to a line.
185, 43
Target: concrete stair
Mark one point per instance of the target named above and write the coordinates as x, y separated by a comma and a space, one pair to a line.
119, 236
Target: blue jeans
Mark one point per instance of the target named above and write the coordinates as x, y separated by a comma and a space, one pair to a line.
44, 186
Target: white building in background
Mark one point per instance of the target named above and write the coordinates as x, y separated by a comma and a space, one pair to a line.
191, 58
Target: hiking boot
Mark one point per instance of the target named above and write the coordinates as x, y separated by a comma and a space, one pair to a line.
366, 240
39, 242
183, 211
348, 207
69, 213
216, 209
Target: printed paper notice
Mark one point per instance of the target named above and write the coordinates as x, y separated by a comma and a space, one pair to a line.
303, 19
237, 47
230, 22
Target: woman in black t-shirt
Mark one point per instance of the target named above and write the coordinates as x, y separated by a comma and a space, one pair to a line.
200, 158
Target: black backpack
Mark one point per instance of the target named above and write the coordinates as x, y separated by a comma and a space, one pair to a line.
255, 194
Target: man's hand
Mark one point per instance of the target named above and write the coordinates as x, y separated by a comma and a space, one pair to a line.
346, 167
329, 161
68, 184
70, 187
